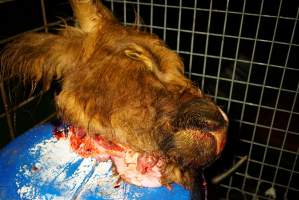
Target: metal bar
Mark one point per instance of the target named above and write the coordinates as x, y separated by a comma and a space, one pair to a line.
219, 35
7, 113
112, 5
44, 14
138, 12
234, 69
264, 145
293, 171
270, 165
125, 12
179, 27
239, 60
221, 177
266, 181
23, 103
192, 39
221, 53
293, 105
276, 103
165, 21
236, 55
152, 16
264, 126
206, 47
207, 9
47, 119
6, 1
242, 82
33, 30
249, 193
248, 80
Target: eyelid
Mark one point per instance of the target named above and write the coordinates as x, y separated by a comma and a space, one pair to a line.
133, 54
136, 52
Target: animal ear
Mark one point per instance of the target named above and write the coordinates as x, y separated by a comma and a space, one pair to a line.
91, 15
45, 57
138, 53
41, 57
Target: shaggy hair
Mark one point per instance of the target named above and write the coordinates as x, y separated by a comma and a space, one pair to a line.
124, 84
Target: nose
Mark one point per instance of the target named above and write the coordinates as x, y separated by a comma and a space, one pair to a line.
204, 115
201, 113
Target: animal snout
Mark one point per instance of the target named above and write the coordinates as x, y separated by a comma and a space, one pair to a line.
204, 119
201, 113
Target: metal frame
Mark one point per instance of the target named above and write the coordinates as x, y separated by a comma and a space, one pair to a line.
10, 109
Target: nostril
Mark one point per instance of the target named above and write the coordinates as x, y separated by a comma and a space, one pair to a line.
200, 114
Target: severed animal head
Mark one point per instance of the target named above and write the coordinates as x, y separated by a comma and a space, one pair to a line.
126, 85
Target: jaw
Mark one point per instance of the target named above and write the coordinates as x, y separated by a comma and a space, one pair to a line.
196, 148
201, 133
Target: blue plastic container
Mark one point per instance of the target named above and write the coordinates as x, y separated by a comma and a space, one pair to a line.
38, 166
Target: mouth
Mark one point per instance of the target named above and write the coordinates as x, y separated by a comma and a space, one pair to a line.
220, 139
200, 141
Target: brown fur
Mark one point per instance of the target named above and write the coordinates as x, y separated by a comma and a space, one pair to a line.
122, 83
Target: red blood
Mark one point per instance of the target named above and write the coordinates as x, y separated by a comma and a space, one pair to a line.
144, 170
145, 163
58, 134
117, 183
222, 144
84, 146
80, 133
108, 144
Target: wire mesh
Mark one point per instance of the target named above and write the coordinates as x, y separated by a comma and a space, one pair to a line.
243, 53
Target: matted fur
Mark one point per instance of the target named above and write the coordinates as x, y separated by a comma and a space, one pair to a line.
124, 84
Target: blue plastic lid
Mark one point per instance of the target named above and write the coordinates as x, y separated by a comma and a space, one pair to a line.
38, 166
